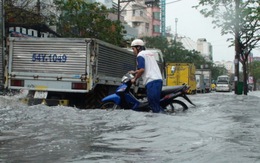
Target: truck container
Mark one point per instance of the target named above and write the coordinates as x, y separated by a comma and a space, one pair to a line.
66, 71
207, 78
181, 73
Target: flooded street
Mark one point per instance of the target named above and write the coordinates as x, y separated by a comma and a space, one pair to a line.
222, 128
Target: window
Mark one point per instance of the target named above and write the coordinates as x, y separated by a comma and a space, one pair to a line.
123, 13
133, 13
136, 24
147, 25
156, 28
141, 13
156, 15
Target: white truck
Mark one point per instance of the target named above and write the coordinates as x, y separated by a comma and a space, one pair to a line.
207, 78
66, 71
200, 85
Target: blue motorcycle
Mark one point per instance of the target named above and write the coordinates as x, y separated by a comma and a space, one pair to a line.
123, 98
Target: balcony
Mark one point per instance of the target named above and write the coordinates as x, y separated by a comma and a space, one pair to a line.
139, 19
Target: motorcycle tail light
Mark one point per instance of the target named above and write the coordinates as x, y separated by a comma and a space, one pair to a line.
78, 85
17, 83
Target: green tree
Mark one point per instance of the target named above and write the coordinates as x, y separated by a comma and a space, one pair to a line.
176, 53
158, 42
217, 71
28, 14
239, 18
81, 19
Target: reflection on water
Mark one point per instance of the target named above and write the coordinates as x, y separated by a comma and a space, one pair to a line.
214, 131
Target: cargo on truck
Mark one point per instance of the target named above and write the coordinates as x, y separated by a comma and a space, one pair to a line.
181, 73
66, 71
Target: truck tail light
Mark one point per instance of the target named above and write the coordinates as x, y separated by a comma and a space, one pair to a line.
79, 86
17, 83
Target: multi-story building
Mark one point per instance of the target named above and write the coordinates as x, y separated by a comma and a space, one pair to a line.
153, 14
256, 59
229, 65
135, 15
205, 48
202, 46
143, 16
187, 42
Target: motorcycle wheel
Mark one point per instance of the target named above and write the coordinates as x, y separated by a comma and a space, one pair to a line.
109, 106
176, 106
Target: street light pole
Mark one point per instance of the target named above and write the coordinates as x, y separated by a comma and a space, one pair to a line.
176, 21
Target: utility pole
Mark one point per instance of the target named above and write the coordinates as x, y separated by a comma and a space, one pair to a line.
118, 7
175, 37
118, 10
38, 7
2, 41
237, 49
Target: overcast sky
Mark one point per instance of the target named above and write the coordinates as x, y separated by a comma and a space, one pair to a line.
194, 25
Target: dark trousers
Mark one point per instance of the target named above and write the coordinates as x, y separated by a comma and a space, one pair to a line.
153, 90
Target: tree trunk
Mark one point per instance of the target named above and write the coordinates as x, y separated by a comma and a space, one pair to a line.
245, 87
237, 49
254, 85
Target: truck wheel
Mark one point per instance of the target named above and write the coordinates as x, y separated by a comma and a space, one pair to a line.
109, 106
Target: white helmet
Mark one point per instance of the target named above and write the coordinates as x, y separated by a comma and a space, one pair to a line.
137, 42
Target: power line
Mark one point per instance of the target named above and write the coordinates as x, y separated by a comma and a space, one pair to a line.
173, 1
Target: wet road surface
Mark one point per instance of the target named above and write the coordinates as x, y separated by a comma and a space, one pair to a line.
223, 127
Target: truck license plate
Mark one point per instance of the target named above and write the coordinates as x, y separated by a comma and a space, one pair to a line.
40, 94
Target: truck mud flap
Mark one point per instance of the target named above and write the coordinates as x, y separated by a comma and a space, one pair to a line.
48, 102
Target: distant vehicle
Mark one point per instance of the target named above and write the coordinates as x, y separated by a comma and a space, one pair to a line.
250, 87
207, 78
223, 84
180, 73
200, 85
223, 77
213, 86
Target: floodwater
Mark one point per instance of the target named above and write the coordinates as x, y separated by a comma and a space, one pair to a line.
223, 127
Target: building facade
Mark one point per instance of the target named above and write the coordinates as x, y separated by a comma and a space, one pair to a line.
154, 13
205, 48
135, 15
187, 43
229, 65
142, 15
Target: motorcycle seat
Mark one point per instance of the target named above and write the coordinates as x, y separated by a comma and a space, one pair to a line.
171, 89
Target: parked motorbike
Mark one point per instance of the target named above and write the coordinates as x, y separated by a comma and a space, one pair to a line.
123, 98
